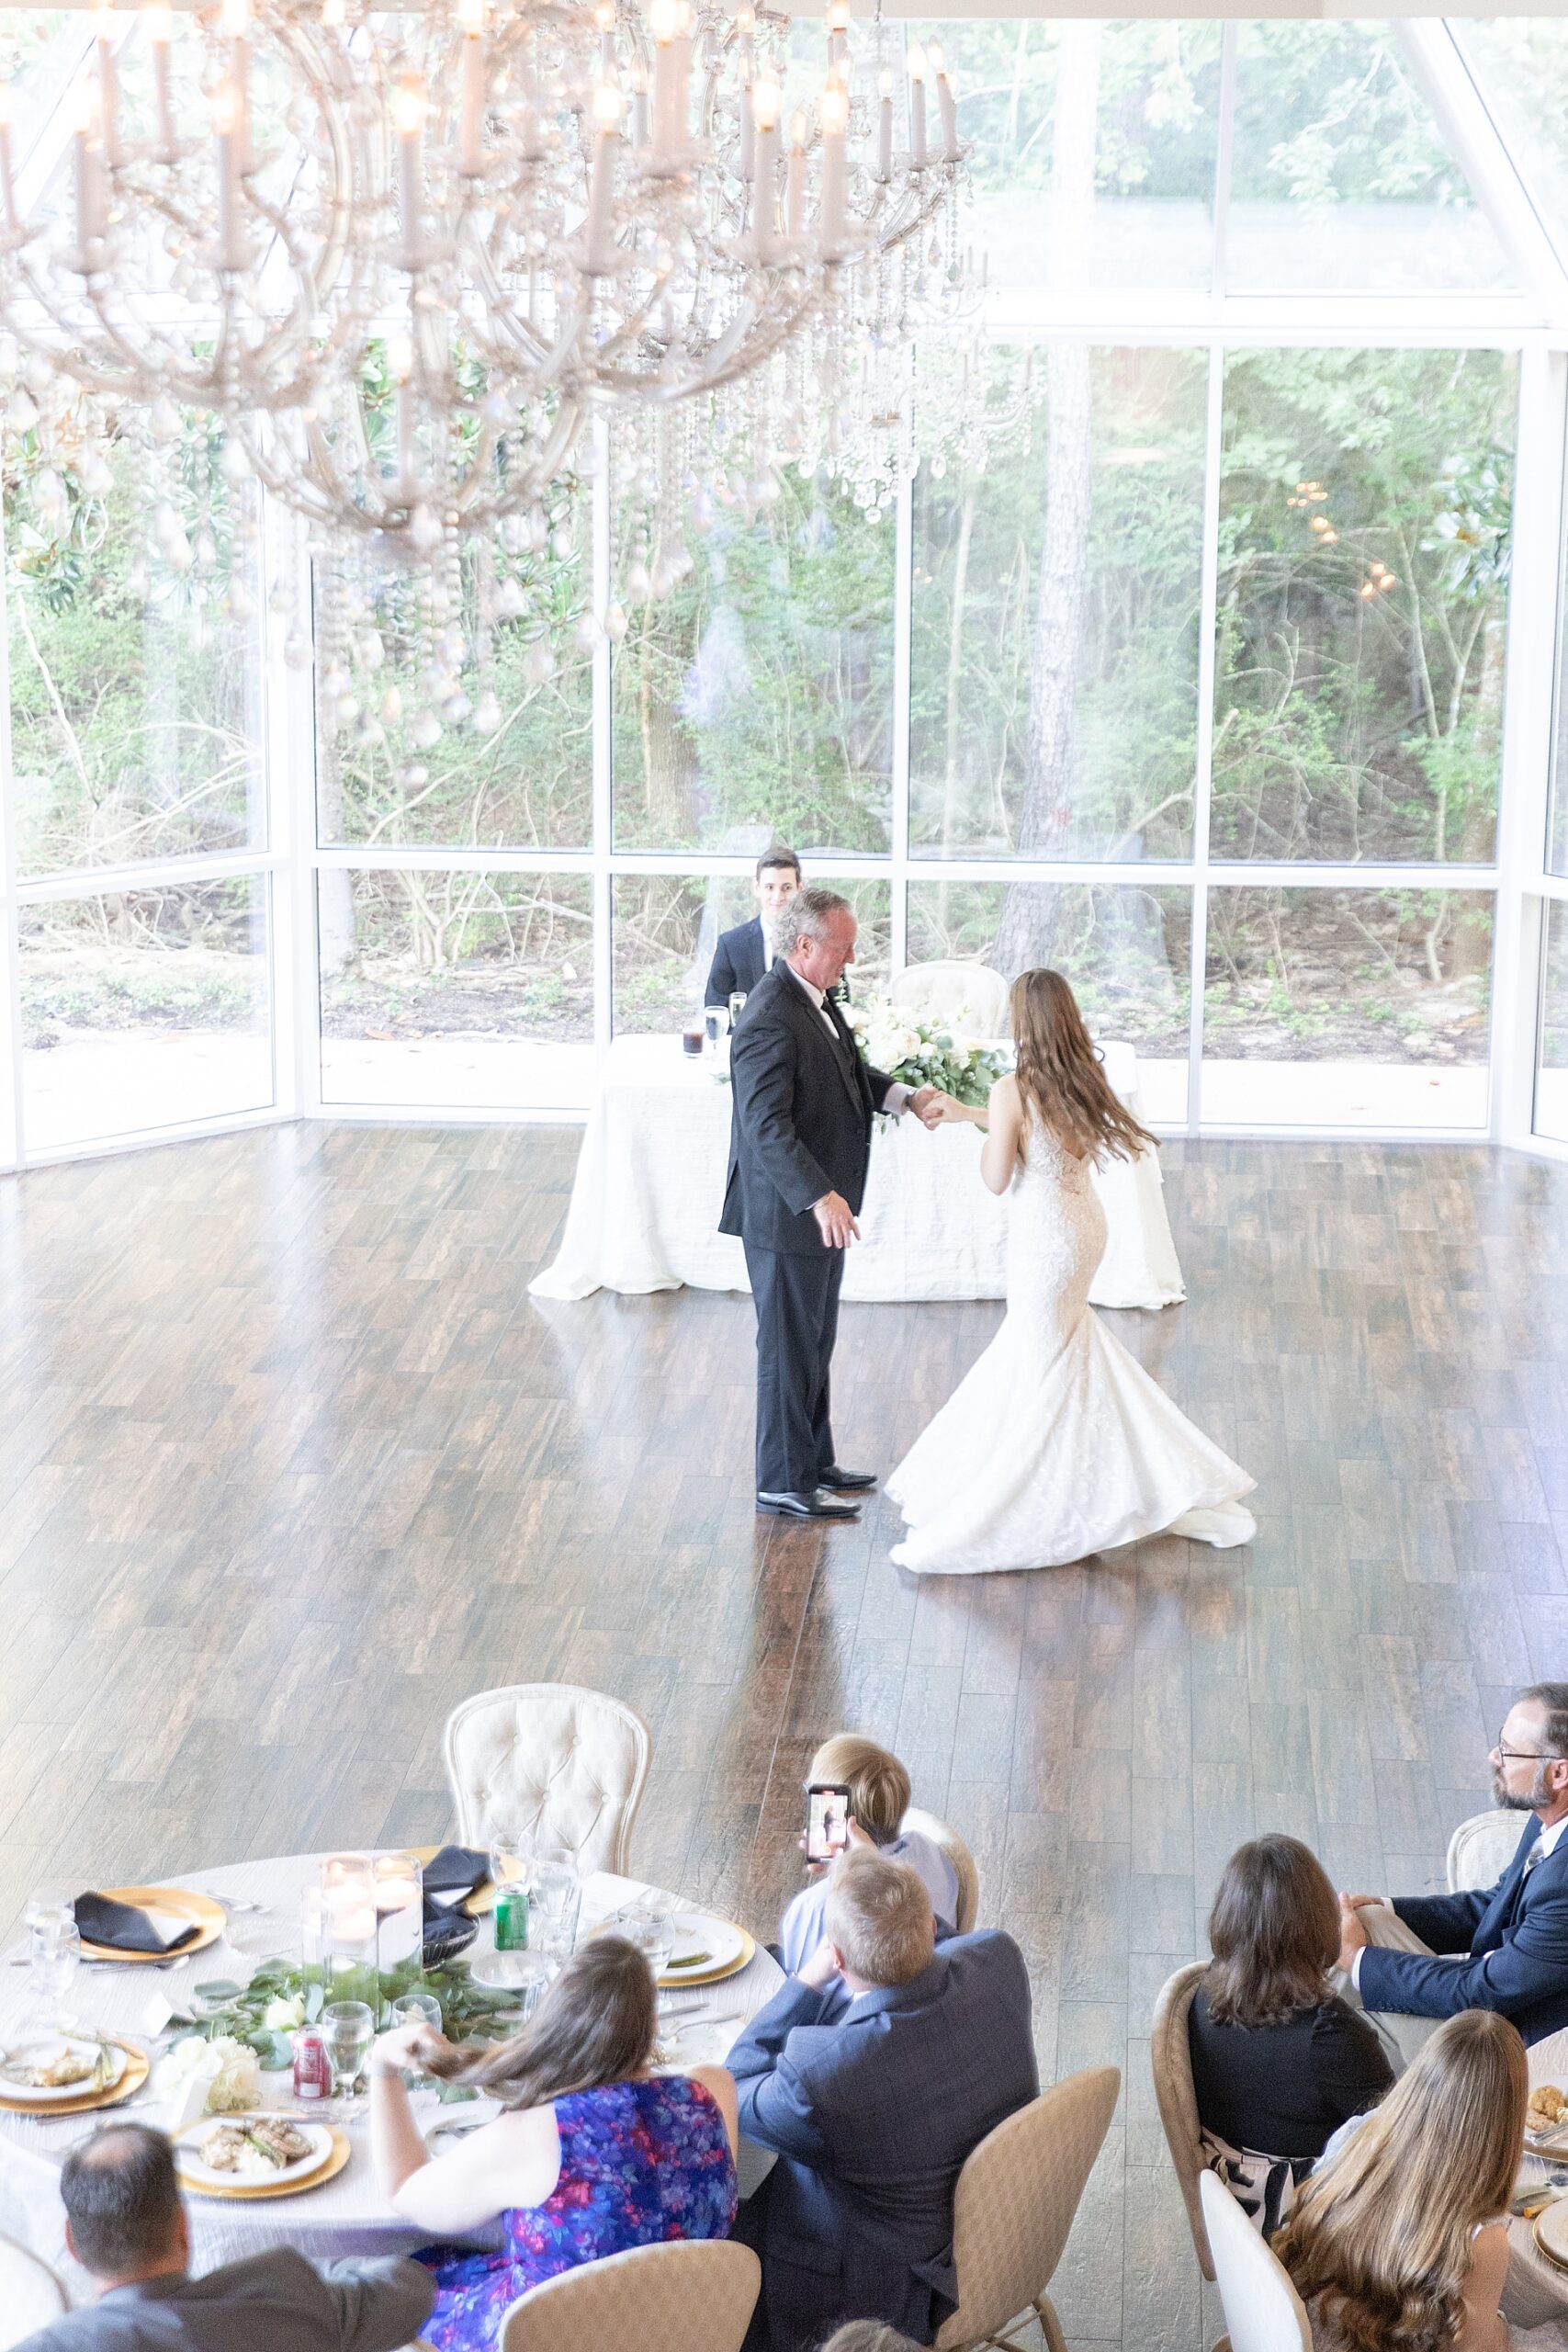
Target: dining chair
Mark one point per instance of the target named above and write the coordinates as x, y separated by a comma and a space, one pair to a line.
971, 998
927, 1825
1263, 2311
1014, 2205
1170, 2058
690, 2295
1481, 1850
549, 1761
30, 2294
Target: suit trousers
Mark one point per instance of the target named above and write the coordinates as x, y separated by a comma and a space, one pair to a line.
796, 1300
1401, 2035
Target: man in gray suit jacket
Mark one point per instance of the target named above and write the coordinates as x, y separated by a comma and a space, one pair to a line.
125, 2223
873, 2115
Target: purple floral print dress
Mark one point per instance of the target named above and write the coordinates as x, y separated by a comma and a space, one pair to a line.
639, 2163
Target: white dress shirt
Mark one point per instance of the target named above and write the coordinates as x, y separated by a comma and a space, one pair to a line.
899, 1095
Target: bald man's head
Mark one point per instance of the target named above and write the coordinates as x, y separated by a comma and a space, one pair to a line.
124, 2218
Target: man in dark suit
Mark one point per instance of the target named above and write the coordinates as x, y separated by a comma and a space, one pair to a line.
873, 2115
125, 2223
1422, 1957
800, 1143
744, 953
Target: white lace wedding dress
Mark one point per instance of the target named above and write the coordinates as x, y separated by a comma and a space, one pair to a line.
1056, 1443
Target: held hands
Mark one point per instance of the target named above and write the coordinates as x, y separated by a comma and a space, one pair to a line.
1353, 1937
925, 1102
835, 1220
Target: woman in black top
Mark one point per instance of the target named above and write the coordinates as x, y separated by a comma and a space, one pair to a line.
1278, 2061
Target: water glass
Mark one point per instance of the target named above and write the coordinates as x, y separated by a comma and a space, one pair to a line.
650, 1924
556, 1894
50, 1907
417, 2008
54, 1954
348, 2028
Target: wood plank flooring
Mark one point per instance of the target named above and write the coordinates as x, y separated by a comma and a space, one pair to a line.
289, 1463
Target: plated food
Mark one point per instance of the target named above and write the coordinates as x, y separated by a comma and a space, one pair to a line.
706, 1949
1546, 2118
55, 2067
258, 2154
262, 2144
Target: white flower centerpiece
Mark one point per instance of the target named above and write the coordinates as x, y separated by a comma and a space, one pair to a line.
919, 1053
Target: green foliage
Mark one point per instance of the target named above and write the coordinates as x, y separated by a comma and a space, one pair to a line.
469, 2012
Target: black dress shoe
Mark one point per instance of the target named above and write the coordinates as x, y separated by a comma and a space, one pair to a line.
847, 1481
814, 1503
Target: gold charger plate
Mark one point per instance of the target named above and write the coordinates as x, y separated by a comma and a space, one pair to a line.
1552, 2243
137, 2066
473, 1907
249, 2192
207, 1916
674, 1980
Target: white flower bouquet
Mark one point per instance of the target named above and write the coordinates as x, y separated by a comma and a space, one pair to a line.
919, 1053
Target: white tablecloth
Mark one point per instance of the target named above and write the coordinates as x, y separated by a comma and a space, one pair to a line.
649, 1186
348, 2216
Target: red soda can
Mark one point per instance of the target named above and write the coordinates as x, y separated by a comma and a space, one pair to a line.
312, 2074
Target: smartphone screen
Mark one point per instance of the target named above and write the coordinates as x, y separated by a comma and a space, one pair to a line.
827, 1822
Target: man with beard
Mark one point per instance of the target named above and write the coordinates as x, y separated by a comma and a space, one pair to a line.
1412, 1960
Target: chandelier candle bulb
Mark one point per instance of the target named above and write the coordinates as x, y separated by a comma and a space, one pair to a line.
833, 115
89, 196
231, 251
947, 105
917, 64
108, 81
837, 32
604, 17
472, 79
745, 152
158, 24
236, 21
668, 80
408, 122
599, 233
884, 129
767, 100
795, 179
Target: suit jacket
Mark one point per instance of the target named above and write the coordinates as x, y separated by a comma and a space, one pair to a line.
873, 2117
1515, 1937
800, 1116
738, 962
267, 2302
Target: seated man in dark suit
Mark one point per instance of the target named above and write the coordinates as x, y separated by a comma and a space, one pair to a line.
744, 953
125, 2223
873, 2115
1419, 1957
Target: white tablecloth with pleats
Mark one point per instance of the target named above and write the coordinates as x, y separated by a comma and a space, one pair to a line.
348, 2215
650, 1185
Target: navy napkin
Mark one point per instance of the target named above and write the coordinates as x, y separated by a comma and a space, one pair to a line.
123, 1927
450, 1877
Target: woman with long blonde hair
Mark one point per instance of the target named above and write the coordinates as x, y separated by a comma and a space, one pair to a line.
1056, 1443
1399, 2243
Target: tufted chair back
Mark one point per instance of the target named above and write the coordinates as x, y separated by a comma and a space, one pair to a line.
690, 2295
1481, 1850
958, 1854
1014, 2205
30, 2294
968, 997
561, 1764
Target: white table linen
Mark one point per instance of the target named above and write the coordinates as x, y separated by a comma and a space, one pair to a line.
347, 2216
650, 1185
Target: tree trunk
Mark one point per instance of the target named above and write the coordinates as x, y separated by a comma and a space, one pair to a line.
1026, 934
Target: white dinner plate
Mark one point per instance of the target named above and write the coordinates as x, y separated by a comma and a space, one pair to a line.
45, 2048
698, 1932
697, 2042
261, 2174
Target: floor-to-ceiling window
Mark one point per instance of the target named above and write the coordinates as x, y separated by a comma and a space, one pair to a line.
1194, 680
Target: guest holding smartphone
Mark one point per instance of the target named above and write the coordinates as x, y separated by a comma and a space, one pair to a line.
878, 1798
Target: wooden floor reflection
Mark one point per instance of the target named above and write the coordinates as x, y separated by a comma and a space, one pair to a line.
289, 1463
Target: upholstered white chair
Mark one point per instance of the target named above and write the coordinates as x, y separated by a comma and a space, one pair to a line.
1263, 2311
1171, 2057
927, 1825
691, 2295
30, 2294
1014, 2206
968, 997
1481, 1850
560, 1764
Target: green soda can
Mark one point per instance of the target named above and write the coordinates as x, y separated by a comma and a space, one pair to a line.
512, 1919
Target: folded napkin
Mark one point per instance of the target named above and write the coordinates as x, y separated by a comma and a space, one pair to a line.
125, 1927
451, 1876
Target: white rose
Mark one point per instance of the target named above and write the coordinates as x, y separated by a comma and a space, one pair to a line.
237, 2083
282, 2014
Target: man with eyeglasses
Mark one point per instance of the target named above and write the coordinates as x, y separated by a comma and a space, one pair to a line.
1413, 1960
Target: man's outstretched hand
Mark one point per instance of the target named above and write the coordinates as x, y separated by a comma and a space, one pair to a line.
926, 1104
835, 1220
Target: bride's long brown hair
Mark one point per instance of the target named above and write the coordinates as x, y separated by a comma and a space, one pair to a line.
1059, 1074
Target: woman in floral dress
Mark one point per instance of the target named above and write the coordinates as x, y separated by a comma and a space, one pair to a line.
593, 2154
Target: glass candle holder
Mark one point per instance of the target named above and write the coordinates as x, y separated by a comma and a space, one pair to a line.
348, 1928
400, 1914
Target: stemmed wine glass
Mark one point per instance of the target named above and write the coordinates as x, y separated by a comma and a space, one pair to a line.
348, 2028
54, 1955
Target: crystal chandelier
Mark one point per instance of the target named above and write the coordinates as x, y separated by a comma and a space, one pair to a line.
406, 254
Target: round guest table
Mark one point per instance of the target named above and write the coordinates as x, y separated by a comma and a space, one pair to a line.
347, 2215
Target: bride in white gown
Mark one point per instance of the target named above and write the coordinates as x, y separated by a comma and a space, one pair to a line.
1056, 1443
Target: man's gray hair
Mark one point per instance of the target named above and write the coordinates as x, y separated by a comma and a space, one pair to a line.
806, 916
1552, 1698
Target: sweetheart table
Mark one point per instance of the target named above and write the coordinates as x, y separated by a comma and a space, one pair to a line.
650, 1185
346, 2215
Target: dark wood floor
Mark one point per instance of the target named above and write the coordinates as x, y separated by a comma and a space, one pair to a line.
289, 1463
